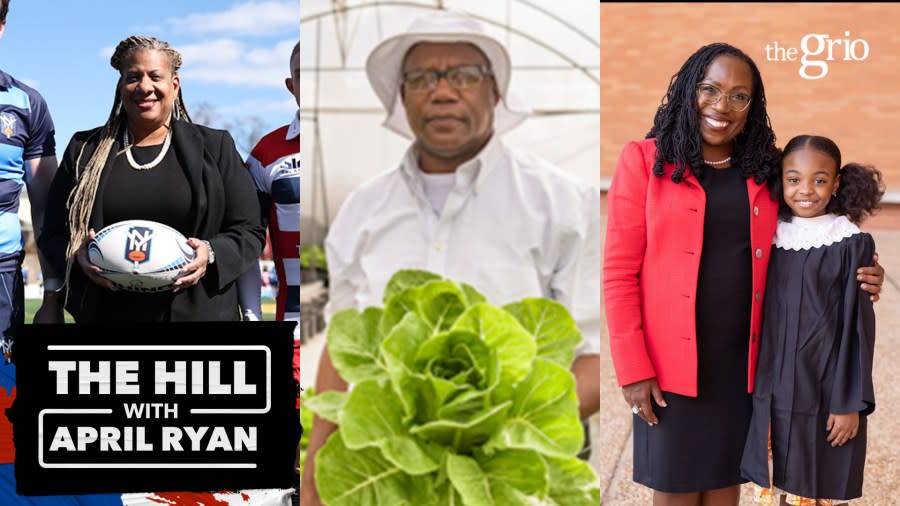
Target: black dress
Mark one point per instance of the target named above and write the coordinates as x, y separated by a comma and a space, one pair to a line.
815, 358
160, 194
698, 442
224, 211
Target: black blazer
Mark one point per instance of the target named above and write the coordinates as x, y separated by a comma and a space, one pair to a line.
225, 210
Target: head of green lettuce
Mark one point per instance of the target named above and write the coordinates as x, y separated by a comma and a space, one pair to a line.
454, 402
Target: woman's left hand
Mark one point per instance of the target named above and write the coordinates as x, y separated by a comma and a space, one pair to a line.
872, 278
196, 269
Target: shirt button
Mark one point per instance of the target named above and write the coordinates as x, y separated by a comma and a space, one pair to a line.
758, 253
758, 295
437, 246
753, 338
755, 211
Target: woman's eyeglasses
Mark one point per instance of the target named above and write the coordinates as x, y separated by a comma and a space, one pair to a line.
709, 94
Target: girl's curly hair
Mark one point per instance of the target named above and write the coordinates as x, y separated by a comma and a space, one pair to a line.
859, 192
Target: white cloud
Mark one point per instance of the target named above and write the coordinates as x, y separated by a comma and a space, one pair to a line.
262, 106
227, 61
218, 51
238, 75
279, 55
252, 18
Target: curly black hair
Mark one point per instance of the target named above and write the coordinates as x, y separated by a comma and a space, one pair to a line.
859, 192
676, 125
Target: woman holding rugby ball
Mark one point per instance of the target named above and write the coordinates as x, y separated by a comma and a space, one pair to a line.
150, 162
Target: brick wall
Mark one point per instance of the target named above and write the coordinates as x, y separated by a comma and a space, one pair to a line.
857, 103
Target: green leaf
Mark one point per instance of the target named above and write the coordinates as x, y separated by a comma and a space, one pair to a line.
409, 454
517, 477
327, 405
522, 470
441, 303
447, 495
572, 483
511, 478
473, 296
406, 279
399, 350
434, 393
464, 405
363, 477
402, 343
458, 356
353, 343
373, 416
372, 413
467, 478
313, 256
551, 325
400, 305
544, 416
462, 436
514, 346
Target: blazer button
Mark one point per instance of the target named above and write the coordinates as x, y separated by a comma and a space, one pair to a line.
758, 253
755, 211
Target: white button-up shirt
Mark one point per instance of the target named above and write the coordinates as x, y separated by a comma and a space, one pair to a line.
512, 226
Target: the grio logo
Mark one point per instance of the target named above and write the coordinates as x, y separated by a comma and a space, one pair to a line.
817, 49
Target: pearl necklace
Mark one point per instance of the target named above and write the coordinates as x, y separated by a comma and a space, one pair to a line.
720, 162
147, 166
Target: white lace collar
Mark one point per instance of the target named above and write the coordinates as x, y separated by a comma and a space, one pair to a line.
807, 233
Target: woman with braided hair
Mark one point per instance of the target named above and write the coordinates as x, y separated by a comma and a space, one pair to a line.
149, 161
689, 229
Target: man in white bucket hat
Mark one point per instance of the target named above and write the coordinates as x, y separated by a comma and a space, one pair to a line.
461, 203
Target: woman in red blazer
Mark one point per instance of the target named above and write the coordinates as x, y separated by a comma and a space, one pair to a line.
690, 226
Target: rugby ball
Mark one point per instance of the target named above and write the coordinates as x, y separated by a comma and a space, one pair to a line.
140, 255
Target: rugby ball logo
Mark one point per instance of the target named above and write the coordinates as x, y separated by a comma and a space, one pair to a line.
137, 248
140, 255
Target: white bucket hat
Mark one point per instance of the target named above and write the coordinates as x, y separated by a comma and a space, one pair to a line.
384, 65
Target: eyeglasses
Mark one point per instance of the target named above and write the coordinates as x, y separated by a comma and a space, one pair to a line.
460, 77
709, 94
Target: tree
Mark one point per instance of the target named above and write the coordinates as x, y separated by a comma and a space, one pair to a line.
246, 130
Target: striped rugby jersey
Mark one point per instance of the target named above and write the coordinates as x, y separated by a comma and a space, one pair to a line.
26, 132
274, 164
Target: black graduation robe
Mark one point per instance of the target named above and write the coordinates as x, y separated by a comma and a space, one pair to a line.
816, 353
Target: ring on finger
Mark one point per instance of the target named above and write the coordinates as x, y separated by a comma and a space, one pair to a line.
635, 409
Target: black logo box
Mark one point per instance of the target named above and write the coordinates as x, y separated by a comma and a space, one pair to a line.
250, 436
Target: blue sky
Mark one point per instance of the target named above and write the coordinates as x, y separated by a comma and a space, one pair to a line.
235, 55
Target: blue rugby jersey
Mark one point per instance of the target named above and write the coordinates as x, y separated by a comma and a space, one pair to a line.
26, 132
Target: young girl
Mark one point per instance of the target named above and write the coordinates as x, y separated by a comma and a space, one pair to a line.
814, 378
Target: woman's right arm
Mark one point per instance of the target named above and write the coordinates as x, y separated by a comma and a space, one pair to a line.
625, 248
54, 238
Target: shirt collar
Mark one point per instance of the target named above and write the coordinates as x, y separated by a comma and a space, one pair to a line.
470, 172
294, 129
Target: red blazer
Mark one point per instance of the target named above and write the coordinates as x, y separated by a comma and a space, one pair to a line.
654, 236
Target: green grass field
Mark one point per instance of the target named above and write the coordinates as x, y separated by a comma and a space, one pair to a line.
32, 305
